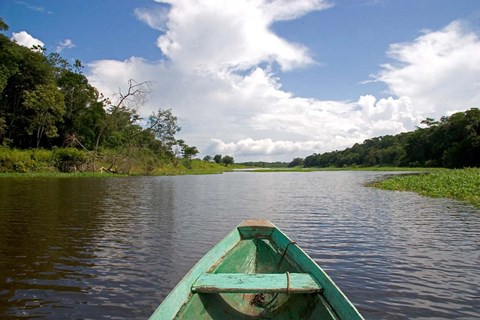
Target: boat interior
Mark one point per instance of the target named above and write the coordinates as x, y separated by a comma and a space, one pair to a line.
256, 280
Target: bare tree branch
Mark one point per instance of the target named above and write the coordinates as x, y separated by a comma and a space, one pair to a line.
137, 95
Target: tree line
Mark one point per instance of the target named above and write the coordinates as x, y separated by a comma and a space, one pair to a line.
47, 102
451, 142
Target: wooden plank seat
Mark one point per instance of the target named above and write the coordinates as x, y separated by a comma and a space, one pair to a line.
255, 283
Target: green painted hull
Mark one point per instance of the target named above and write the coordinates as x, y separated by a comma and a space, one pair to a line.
256, 272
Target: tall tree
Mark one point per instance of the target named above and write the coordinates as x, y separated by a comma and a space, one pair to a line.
21, 70
46, 106
217, 158
79, 96
188, 152
3, 25
296, 162
226, 160
163, 125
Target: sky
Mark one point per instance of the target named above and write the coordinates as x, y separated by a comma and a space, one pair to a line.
270, 80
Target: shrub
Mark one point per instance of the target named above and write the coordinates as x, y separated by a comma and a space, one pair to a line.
13, 160
42, 155
70, 159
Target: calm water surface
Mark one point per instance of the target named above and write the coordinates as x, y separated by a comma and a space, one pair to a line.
113, 248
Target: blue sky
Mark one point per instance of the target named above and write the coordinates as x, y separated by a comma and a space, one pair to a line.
351, 39
271, 80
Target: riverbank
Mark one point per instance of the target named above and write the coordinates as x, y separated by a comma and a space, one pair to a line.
71, 162
458, 184
192, 167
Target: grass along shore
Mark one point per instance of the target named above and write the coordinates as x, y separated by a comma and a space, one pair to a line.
459, 184
192, 167
70, 162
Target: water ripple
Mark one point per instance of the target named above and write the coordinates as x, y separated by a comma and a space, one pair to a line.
114, 248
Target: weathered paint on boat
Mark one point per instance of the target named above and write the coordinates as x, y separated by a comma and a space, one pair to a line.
256, 272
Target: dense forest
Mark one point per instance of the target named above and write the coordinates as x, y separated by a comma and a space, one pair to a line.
451, 142
46, 102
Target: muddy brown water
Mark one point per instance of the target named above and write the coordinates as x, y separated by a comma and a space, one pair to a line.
89, 248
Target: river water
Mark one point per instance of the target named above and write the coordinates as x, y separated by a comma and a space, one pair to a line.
86, 248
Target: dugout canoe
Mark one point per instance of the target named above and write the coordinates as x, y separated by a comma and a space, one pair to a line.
256, 272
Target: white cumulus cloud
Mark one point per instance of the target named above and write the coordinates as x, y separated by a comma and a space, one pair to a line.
439, 71
219, 35
263, 147
23, 38
219, 81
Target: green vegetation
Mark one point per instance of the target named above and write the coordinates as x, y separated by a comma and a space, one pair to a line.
194, 166
460, 184
263, 164
53, 120
44, 174
225, 160
60, 161
452, 142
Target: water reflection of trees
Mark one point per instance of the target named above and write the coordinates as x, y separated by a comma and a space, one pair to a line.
47, 227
